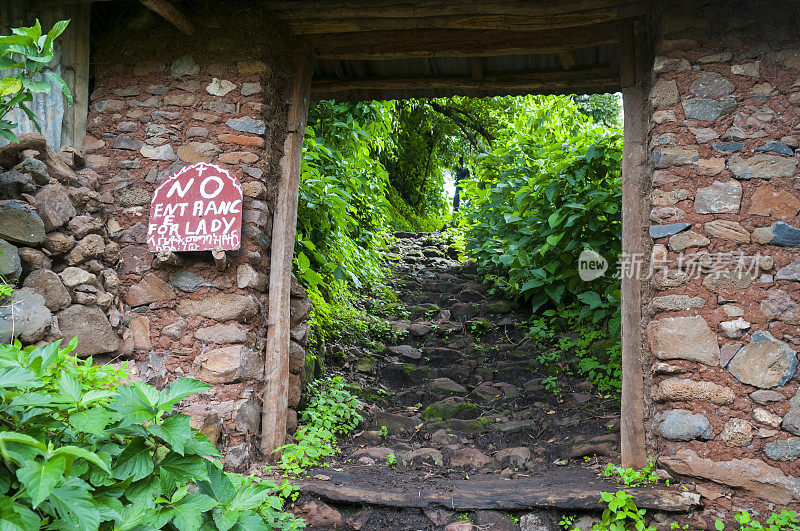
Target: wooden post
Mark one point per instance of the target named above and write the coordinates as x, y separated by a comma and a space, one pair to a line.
634, 190
284, 224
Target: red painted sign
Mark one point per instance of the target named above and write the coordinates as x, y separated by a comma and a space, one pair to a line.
197, 209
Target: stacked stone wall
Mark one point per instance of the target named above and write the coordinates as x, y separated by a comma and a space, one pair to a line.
217, 97
725, 294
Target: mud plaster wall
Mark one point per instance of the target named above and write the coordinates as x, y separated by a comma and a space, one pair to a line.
723, 327
161, 101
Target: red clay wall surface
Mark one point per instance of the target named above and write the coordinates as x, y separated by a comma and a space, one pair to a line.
723, 329
158, 105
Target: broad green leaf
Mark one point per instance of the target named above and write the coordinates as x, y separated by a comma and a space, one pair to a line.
183, 387
18, 377
130, 516
74, 505
189, 510
77, 452
184, 468
9, 85
174, 430
135, 461
61, 84
93, 421
40, 478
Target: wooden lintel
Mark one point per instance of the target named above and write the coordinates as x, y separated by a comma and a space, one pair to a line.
355, 9
518, 22
525, 81
397, 44
171, 14
568, 59
284, 224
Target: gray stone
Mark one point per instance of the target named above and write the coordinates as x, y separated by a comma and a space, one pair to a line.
734, 329
675, 303
406, 351
36, 168
10, 263
220, 87
686, 390
711, 85
221, 307
184, 66
175, 330
25, 317
683, 425
19, 223
248, 125
674, 156
248, 89
783, 449
221, 333
660, 231
780, 306
48, 285
228, 365
776, 147
666, 214
766, 396
422, 455
90, 325
719, 198
14, 184
789, 272
54, 206
127, 143
187, 281
395, 423
163, 152
761, 166
727, 280
219, 106
727, 147
785, 235
707, 109
684, 240
764, 364
447, 385
687, 338
538, 521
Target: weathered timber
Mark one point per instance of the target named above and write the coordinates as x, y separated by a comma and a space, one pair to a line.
310, 9
568, 59
634, 186
284, 224
399, 44
533, 81
171, 14
309, 26
495, 494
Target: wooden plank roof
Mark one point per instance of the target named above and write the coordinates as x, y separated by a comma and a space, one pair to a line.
387, 49
395, 49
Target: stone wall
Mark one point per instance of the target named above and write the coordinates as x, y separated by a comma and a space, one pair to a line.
217, 97
724, 311
55, 248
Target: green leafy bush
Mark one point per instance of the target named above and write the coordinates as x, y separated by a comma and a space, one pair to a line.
83, 450
550, 189
332, 411
27, 52
785, 520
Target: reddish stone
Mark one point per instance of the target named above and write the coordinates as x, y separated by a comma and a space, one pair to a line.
242, 140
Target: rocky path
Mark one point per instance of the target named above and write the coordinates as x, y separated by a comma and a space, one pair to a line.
457, 394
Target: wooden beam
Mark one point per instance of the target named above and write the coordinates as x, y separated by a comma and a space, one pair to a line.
349, 9
380, 45
284, 224
171, 14
311, 26
533, 81
634, 192
627, 55
568, 59
477, 68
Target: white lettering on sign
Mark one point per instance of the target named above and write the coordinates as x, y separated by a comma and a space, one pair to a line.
198, 208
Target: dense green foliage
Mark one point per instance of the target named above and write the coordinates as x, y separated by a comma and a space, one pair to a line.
549, 189
27, 52
83, 450
332, 411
